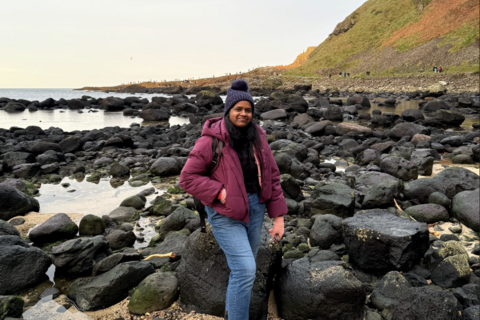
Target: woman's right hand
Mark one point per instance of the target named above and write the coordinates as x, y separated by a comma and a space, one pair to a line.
222, 196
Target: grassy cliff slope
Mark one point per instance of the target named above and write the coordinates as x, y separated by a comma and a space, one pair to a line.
389, 37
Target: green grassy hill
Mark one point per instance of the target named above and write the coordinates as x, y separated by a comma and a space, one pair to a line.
391, 37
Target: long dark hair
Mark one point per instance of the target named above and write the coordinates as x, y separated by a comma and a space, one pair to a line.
243, 140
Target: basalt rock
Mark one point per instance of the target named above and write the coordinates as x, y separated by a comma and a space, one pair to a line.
108, 288
203, 275
376, 240
59, 227
15, 203
319, 290
21, 265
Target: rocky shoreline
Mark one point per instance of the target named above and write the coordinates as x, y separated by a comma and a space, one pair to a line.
371, 241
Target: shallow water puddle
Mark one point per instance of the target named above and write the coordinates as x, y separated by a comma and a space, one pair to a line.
87, 198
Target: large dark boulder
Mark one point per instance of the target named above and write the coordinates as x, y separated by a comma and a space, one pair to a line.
449, 119
156, 292
333, 198
466, 208
108, 288
274, 114
123, 214
12, 159
319, 290
379, 189
75, 104
291, 188
21, 266
407, 129
429, 302
118, 239
389, 290
471, 313
428, 213
15, 203
453, 271
333, 113
77, 257
412, 115
91, 225
59, 227
14, 107
118, 170
318, 128
71, 144
203, 275
177, 220
154, 114
113, 104
174, 242
11, 307
165, 167
358, 99
207, 99
453, 180
6, 229
326, 230
111, 261
377, 240
399, 167
43, 146
435, 105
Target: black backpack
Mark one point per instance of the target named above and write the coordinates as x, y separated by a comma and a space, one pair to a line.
217, 146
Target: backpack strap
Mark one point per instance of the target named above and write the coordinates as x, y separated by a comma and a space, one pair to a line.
217, 146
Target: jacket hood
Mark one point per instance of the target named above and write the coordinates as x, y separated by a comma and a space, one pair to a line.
215, 127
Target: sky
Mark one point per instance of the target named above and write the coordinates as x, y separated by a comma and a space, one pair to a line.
77, 43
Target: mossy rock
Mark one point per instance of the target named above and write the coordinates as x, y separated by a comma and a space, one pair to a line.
303, 247
154, 241
91, 225
48, 248
31, 189
287, 247
55, 178
156, 292
206, 93
293, 254
173, 190
162, 208
11, 307
184, 231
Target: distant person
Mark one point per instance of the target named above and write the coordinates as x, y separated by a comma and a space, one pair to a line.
344, 74
348, 74
339, 74
435, 69
368, 73
329, 76
440, 69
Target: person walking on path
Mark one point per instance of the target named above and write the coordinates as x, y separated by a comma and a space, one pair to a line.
435, 69
244, 183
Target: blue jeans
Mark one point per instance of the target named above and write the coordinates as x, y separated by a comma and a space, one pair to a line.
240, 242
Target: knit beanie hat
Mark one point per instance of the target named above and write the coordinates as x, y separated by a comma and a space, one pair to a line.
238, 92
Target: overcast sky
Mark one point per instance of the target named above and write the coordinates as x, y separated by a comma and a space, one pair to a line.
76, 43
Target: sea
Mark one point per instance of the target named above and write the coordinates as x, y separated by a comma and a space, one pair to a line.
71, 120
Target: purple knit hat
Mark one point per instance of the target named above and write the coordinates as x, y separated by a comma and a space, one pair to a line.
238, 92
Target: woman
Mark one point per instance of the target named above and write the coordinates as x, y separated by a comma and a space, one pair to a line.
245, 181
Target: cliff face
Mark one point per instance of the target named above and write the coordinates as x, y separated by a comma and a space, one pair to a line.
389, 37
301, 59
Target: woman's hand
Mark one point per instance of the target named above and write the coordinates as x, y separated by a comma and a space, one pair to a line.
222, 196
278, 229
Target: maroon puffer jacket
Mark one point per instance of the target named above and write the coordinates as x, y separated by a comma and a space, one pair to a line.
229, 175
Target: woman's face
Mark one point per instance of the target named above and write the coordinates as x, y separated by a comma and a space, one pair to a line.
241, 114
